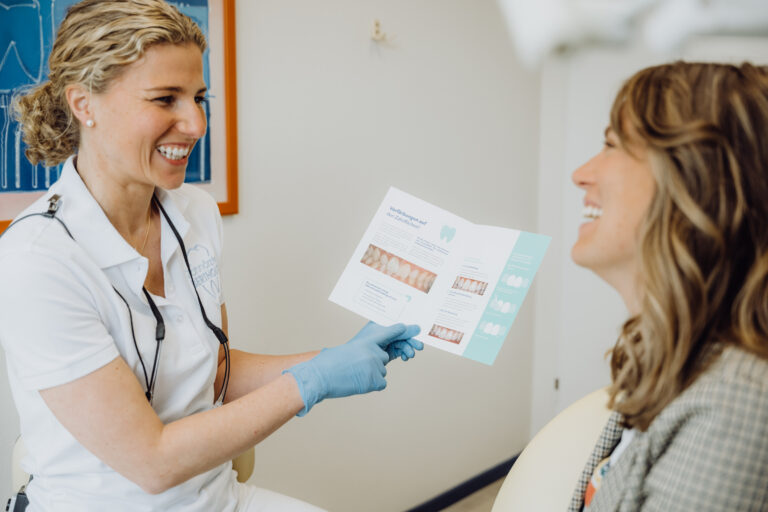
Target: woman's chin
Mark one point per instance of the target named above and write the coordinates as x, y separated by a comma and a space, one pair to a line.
578, 256
170, 182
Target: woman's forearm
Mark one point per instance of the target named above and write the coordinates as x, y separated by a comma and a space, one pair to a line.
197, 443
252, 371
107, 412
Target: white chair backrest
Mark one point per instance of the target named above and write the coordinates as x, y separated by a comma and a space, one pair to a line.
544, 476
18, 476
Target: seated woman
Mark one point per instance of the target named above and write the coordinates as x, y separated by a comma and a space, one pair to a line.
677, 203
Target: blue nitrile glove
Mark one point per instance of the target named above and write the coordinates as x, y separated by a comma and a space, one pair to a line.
405, 349
357, 366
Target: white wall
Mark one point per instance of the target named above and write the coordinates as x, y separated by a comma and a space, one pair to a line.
327, 122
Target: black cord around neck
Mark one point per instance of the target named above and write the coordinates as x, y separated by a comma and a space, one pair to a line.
217, 331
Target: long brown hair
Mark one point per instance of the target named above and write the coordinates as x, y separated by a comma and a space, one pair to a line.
704, 243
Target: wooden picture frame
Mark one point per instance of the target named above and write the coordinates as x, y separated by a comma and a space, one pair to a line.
222, 129
230, 206
223, 89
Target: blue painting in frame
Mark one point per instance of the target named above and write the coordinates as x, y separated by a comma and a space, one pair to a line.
27, 31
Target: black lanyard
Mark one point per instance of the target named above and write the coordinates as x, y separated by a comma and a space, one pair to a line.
149, 379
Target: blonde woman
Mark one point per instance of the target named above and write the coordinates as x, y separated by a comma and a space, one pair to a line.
116, 349
677, 206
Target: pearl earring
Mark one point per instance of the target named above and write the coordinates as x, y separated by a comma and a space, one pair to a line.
89, 123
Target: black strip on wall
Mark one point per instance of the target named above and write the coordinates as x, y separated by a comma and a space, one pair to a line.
464, 489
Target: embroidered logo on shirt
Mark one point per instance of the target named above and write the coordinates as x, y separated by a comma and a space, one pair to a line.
205, 271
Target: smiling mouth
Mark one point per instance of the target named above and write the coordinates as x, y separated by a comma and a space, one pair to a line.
591, 212
174, 152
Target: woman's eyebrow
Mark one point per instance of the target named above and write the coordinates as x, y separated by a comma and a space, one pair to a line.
174, 89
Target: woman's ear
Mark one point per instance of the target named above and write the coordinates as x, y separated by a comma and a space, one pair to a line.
79, 101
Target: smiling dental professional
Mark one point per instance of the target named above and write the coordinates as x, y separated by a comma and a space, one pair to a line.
113, 323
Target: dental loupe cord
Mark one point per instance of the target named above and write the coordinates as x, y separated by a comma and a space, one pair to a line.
217, 331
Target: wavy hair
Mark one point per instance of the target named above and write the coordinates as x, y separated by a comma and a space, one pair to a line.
704, 242
94, 44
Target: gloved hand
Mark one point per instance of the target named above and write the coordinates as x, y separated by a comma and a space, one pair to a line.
357, 366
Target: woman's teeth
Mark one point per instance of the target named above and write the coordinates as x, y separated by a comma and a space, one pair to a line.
173, 152
592, 212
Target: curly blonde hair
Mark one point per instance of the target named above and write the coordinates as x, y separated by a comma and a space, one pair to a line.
95, 42
704, 242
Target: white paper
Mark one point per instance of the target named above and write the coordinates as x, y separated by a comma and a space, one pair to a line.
460, 282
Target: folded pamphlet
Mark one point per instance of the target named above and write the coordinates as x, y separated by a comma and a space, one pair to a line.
462, 283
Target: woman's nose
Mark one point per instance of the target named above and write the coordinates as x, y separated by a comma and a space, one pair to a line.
193, 120
583, 176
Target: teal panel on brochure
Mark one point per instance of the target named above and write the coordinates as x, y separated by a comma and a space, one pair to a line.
507, 297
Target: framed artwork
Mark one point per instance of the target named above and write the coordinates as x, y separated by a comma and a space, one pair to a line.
27, 32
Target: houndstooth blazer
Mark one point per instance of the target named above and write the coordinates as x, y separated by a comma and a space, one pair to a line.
706, 451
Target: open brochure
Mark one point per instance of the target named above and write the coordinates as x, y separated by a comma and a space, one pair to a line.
460, 282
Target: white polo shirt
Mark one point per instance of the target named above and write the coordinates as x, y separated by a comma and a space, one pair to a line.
61, 319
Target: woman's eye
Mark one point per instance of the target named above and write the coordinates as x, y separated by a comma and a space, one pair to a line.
201, 100
165, 99
608, 144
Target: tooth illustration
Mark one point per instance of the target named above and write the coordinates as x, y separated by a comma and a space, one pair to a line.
393, 266
447, 233
21, 45
21, 63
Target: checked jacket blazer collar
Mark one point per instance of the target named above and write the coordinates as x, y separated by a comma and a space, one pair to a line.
706, 451
609, 438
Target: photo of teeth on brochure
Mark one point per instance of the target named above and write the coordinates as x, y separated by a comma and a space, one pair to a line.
462, 283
